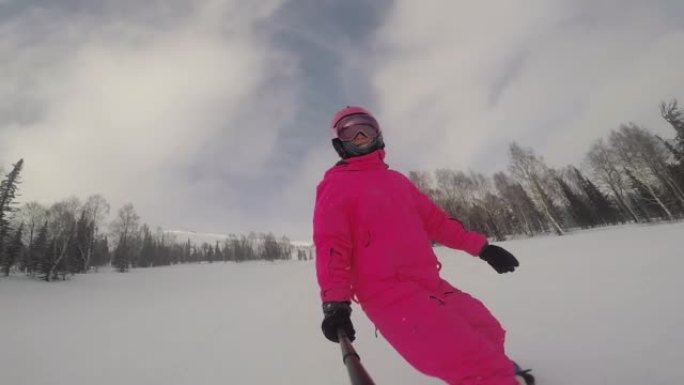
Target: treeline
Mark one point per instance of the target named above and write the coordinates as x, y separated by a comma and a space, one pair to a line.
160, 249
630, 176
67, 238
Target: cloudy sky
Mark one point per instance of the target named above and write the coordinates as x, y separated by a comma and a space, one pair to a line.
212, 115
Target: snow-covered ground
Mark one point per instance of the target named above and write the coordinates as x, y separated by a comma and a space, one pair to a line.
595, 307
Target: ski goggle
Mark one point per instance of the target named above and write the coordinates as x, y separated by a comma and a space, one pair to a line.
352, 125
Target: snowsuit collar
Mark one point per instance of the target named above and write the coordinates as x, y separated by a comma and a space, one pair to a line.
374, 160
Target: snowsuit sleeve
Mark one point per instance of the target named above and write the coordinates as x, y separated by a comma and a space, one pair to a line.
333, 242
445, 230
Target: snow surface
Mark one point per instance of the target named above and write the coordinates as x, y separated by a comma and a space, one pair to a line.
594, 307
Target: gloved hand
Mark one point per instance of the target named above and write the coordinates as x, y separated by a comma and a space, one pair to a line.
501, 260
336, 316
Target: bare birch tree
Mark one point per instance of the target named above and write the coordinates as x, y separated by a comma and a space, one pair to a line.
124, 229
605, 168
530, 169
33, 215
94, 212
642, 154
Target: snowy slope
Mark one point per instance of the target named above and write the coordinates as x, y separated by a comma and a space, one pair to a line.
595, 307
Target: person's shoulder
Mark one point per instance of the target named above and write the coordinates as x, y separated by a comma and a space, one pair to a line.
333, 172
331, 176
401, 180
398, 175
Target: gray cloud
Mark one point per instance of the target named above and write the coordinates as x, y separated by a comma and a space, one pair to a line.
160, 108
555, 75
209, 115
212, 115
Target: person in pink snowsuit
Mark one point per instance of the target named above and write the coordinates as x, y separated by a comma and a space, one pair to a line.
373, 232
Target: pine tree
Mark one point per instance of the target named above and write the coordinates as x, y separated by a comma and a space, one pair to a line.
677, 154
271, 250
217, 252
48, 261
14, 251
160, 253
187, 252
578, 209
147, 253
164, 253
37, 251
675, 116
121, 259
8, 191
208, 252
601, 207
100, 253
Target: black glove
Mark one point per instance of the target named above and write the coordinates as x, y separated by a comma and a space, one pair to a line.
337, 317
501, 260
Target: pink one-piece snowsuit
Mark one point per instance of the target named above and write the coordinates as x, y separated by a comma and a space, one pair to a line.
372, 232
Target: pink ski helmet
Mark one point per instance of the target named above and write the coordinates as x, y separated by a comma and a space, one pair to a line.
358, 117
347, 111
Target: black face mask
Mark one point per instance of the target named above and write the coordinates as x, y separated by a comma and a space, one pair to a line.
349, 150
